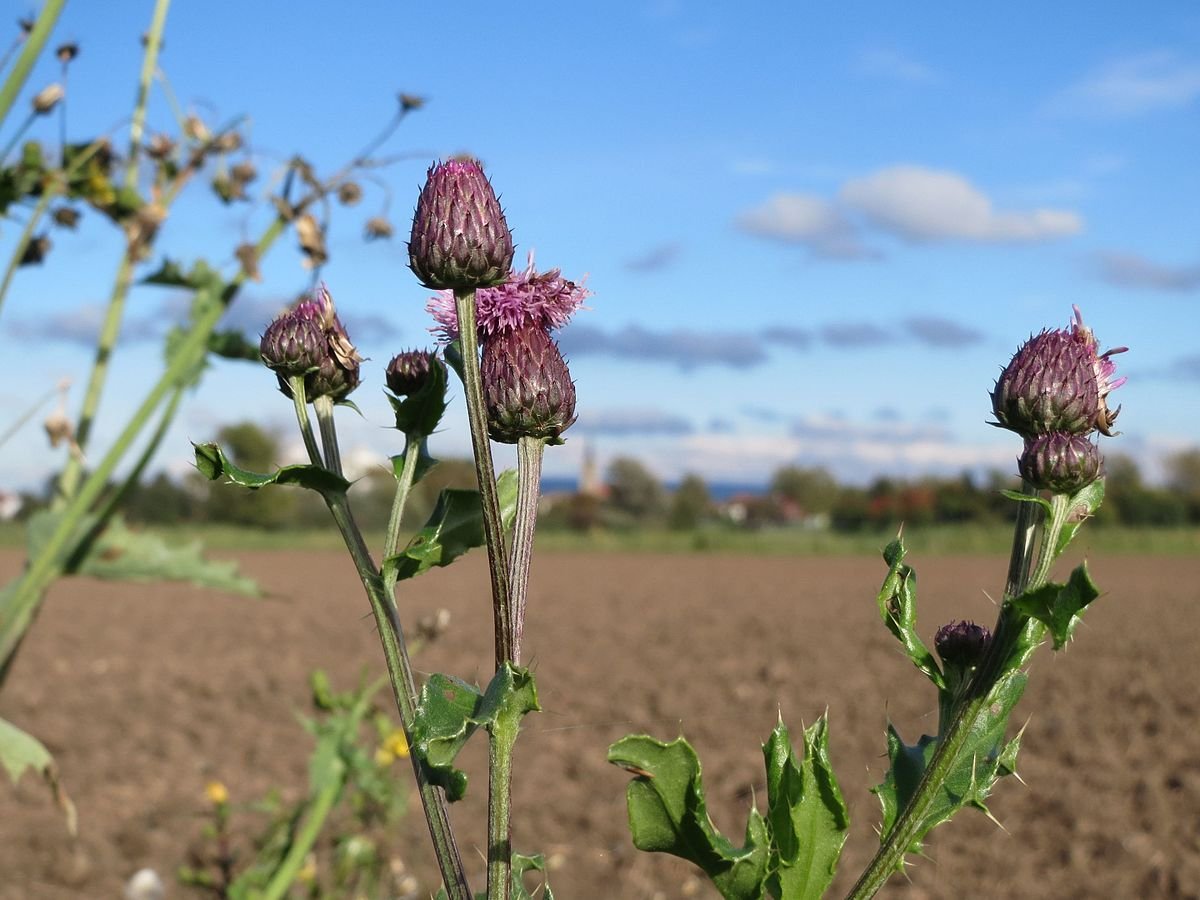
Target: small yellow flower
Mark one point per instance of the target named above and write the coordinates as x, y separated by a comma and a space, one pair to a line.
308, 874
396, 743
384, 757
217, 793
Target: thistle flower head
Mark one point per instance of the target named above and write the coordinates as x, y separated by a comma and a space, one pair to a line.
460, 239
528, 298
311, 341
527, 388
961, 643
409, 371
1060, 462
1057, 381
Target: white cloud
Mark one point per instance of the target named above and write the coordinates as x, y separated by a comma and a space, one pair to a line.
1131, 86
922, 204
808, 220
892, 64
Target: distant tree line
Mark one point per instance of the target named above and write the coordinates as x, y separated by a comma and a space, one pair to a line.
633, 497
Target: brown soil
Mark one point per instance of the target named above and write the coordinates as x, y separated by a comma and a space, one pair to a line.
145, 692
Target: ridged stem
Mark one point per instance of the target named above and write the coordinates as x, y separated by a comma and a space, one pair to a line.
502, 740
529, 488
412, 454
493, 528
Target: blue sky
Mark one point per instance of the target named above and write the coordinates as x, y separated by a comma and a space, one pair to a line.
814, 233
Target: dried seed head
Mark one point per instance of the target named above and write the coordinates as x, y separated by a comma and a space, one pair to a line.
160, 147
377, 228
244, 172
228, 142
36, 251
1060, 462
410, 102
460, 239
310, 340
409, 371
67, 52
527, 388
1058, 382
961, 643
349, 193
66, 217
195, 129
47, 98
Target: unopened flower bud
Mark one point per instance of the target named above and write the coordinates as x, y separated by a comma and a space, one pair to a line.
48, 98
1058, 382
409, 371
295, 343
460, 239
961, 643
527, 388
65, 217
244, 172
1060, 462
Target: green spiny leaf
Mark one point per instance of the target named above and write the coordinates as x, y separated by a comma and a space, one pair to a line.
668, 814
450, 710
214, 465
418, 415
897, 603
806, 814
1057, 606
1083, 506
1022, 497
454, 527
232, 344
982, 758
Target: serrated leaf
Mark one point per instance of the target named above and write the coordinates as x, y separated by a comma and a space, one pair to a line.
423, 466
983, 758
1057, 606
1082, 506
450, 710
214, 465
454, 527
668, 814
806, 814
897, 602
418, 415
21, 752
121, 554
172, 274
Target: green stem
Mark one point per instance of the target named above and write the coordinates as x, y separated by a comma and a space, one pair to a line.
1046, 556
149, 65
404, 689
304, 840
296, 383
115, 313
323, 406
502, 739
17, 135
493, 527
1013, 631
46, 20
412, 456
529, 488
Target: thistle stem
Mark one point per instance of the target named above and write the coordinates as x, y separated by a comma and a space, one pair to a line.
404, 689
493, 528
1014, 633
412, 455
323, 406
296, 384
503, 738
529, 478
34, 43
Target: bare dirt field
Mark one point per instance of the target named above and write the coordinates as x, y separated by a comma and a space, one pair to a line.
146, 692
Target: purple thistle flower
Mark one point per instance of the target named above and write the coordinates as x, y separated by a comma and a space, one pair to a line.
1057, 381
542, 299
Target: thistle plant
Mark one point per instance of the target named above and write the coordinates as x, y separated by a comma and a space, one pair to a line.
134, 189
1053, 394
494, 325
